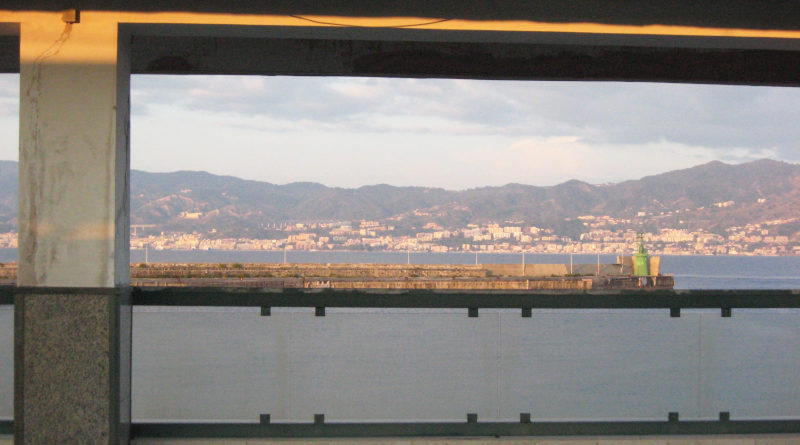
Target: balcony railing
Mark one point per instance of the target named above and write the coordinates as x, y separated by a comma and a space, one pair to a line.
526, 301
728, 302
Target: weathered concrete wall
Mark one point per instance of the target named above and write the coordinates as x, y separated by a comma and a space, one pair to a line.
550, 270
8, 271
655, 265
352, 270
333, 270
469, 284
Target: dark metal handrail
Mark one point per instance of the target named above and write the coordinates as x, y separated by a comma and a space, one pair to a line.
444, 299
440, 299
7, 295
453, 429
461, 429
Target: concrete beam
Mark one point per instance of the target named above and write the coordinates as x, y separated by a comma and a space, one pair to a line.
606, 58
9, 54
9, 47
191, 43
766, 14
281, 50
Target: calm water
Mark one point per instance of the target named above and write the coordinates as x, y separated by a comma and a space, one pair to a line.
405, 365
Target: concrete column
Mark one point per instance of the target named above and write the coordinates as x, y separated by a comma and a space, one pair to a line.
72, 313
74, 160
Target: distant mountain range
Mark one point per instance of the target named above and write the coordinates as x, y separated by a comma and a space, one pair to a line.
202, 201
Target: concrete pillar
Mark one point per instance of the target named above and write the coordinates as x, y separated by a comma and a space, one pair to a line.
72, 313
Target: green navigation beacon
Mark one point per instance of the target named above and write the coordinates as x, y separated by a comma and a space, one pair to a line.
641, 262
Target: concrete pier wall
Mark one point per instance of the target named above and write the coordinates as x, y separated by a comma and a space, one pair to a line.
475, 284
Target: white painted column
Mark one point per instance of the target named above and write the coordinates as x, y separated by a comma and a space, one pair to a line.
72, 325
74, 156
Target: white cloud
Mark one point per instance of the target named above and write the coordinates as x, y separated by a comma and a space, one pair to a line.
360, 90
484, 132
720, 117
548, 161
450, 133
9, 96
9, 116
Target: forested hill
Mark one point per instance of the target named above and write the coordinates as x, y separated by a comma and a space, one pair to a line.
702, 196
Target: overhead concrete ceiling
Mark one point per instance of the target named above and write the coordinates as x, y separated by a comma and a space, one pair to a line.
364, 51
763, 14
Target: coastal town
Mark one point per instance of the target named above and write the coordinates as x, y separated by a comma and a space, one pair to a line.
601, 236
752, 211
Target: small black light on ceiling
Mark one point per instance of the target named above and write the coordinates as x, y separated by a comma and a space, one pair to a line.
71, 16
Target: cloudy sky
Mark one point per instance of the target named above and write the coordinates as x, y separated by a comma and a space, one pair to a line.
455, 134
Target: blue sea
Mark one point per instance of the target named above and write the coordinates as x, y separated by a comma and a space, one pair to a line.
232, 364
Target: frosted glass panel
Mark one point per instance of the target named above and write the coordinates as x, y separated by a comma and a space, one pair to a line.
292, 365
594, 365
199, 364
751, 364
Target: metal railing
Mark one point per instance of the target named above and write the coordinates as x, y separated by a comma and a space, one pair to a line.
470, 427
526, 301
7, 295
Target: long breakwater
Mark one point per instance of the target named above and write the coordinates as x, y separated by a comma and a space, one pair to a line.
573, 277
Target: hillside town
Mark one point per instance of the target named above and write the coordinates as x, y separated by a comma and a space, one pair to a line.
601, 236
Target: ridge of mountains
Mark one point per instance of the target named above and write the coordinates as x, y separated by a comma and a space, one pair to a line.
201, 201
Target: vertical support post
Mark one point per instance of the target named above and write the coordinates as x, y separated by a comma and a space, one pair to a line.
72, 313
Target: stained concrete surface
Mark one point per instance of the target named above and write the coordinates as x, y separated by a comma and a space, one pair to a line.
66, 370
70, 371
